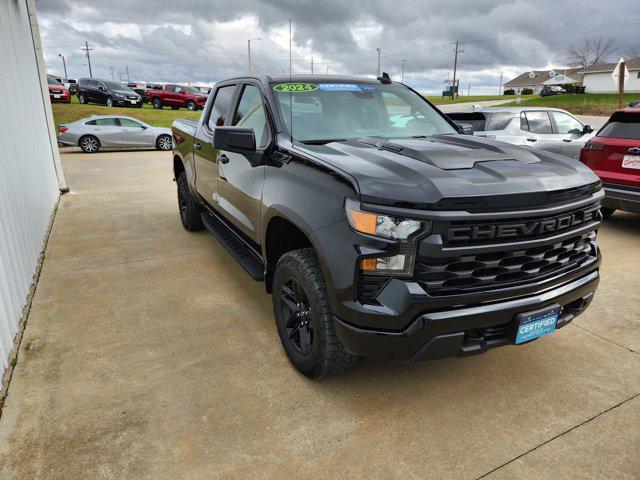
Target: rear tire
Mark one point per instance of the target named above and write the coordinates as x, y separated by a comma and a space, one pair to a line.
156, 103
304, 319
190, 211
89, 144
164, 143
607, 212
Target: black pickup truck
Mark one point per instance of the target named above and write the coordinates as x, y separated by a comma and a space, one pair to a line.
379, 228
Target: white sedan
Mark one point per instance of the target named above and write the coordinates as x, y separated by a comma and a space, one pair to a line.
109, 131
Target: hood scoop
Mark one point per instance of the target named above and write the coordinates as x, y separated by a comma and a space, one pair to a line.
450, 152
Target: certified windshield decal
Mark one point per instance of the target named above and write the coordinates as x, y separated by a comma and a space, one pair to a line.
295, 87
345, 87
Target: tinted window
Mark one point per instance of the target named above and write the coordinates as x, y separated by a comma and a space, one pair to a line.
250, 114
92, 83
127, 122
52, 81
178, 89
539, 122
171, 88
103, 122
622, 125
476, 119
500, 120
566, 123
221, 104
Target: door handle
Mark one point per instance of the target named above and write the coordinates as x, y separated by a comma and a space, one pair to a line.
566, 140
197, 146
223, 159
532, 139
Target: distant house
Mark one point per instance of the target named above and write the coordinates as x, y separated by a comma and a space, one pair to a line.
537, 79
597, 78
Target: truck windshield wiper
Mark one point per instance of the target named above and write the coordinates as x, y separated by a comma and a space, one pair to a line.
323, 141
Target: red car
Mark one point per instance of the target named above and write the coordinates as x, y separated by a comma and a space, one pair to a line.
614, 155
57, 92
176, 96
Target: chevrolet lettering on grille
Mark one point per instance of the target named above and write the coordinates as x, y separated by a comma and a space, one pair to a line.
523, 229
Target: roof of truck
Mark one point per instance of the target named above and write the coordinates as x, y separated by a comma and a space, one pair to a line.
310, 78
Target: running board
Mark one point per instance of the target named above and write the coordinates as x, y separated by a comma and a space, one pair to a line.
234, 246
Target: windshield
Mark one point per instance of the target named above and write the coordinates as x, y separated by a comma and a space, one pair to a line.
192, 90
342, 111
111, 85
53, 81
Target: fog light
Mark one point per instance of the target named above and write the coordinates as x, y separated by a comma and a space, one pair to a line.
396, 265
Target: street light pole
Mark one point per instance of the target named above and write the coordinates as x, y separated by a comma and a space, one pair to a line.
404, 64
378, 71
249, 51
64, 64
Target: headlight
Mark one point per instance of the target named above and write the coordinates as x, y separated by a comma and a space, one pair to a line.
383, 225
119, 95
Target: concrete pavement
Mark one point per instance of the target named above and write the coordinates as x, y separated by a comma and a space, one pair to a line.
150, 354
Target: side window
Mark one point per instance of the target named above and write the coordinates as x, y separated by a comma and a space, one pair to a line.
523, 123
127, 122
250, 114
539, 122
500, 120
220, 108
105, 122
566, 123
178, 89
92, 83
90, 122
171, 88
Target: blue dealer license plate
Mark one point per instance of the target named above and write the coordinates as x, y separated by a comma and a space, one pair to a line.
535, 324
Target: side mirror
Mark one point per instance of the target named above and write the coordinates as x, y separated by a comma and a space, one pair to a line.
235, 139
587, 129
143, 127
466, 128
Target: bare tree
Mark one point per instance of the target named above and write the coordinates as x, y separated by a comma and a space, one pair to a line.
632, 52
591, 52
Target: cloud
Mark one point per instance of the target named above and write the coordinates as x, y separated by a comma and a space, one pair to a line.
204, 41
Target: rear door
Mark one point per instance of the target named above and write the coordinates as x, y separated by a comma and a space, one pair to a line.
538, 131
570, 129
242, 177
136, 134
204, 155
91, 89
169, 96
107, 130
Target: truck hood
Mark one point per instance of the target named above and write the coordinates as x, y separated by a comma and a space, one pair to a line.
427, 170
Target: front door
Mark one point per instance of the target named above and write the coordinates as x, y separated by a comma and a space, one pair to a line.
573, 137
107, 130
135, 134
242, 177
204, 155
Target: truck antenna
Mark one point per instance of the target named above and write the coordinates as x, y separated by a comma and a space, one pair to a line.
290, 87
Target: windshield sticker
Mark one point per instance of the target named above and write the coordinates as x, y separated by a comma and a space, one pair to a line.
295, 87
348, 87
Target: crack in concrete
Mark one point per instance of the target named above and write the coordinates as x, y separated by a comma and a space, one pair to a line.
558, 436
607, 339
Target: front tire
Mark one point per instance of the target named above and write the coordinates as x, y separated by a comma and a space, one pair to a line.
190, 211
109, 102
304, 319
82, 99
164, 143
156, 103
89, 144
191, 106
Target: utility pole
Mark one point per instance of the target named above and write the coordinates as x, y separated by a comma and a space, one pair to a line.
457, 48
327, 69
127, 67
378, 71
404, 64
64, 65
311, 65
500, 85
87, 50
469, 90
249, 51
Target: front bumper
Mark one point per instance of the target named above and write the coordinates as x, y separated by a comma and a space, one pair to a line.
466, 330
61, 99
622, 197
127, 103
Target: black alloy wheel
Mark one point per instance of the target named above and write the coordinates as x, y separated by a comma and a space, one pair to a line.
297, 312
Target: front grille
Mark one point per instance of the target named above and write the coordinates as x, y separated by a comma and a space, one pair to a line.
132, 97
56, 91
504, 268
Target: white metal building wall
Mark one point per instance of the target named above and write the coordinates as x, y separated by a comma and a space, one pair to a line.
602, 82
28, 183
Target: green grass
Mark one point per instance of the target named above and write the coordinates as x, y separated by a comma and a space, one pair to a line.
438, 100
589, 104
65, 113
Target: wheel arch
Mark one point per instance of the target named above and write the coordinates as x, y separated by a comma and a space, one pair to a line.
178, 164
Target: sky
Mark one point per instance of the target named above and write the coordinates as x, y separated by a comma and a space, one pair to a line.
204, 41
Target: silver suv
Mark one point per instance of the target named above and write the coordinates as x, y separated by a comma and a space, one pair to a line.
548, 129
